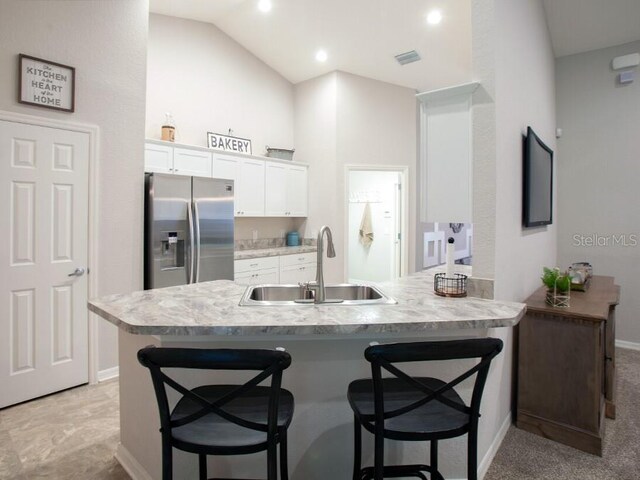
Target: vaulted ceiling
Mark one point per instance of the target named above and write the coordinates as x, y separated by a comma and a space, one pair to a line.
363, 36
359, 36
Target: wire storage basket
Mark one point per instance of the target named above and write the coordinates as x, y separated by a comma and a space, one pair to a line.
455, 286
556, 298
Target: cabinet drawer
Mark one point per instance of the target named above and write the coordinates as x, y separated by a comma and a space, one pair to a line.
298, 273
255, 264
298, 259
260, 277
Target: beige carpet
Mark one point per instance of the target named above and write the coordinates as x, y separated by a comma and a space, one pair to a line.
524, 456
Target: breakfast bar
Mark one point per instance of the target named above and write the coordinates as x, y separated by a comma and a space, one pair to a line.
326, 343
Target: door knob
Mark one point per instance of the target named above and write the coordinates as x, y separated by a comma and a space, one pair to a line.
78, 272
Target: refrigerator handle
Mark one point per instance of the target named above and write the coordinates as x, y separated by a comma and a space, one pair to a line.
197, 226
192, 243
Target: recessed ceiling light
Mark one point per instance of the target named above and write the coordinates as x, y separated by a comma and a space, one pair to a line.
434, 17
321, 56
264, 5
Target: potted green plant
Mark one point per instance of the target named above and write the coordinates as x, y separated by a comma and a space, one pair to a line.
558, 286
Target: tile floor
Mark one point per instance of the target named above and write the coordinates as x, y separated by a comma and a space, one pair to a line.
68, 436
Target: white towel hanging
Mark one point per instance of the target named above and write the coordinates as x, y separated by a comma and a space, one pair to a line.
366, 228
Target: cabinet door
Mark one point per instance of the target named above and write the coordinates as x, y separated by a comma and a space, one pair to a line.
228, 168
192, 162
297, 196
250, 188
158, 158
275, 189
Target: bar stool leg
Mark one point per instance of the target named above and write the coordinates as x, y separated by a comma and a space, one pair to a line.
284, 467
272, 463
202, 460
357, 449
378, 464
472, 455
434, 454
167, 460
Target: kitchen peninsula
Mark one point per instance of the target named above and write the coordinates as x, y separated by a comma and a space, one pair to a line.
326, 343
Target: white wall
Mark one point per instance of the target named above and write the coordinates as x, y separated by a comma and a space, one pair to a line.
525, 95
598, 172
210, 83
514, 62
344, 119
106, 42
315, 138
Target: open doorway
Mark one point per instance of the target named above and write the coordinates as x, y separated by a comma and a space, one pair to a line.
375, 224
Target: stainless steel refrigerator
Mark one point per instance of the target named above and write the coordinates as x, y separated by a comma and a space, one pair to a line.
188, 230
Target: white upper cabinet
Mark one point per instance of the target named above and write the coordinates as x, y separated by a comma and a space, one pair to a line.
251, 187
446, 154
181, 161
275, 199
285, 190
297, 191
262, 187
248, 177
158, 158
191, 162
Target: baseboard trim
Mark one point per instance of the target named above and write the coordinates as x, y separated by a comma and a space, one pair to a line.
108, 374
130, 464
137, 471
627, 345
486, 461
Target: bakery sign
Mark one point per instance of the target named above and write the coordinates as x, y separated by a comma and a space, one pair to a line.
227, 143
46, 84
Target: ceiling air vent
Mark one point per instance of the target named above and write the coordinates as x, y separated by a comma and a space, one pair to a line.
408, 57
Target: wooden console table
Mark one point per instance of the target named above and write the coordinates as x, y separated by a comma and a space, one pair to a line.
566, 366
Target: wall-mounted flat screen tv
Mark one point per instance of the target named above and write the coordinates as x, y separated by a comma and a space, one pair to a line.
538, 181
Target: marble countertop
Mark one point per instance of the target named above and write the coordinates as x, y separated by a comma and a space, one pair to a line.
272, 252
211, 308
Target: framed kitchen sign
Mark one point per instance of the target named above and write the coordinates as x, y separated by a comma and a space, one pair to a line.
46, 84
227, 143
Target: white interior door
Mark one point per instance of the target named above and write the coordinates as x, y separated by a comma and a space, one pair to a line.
43, 283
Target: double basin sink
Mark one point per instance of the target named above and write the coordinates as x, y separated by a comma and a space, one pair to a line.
290, 295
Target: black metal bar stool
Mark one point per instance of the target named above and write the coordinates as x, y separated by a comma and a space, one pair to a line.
408, 408
223, 419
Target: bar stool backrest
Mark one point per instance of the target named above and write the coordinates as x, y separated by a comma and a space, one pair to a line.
384, 357
270, 363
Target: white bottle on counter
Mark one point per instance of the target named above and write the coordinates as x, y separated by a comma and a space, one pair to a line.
450, 257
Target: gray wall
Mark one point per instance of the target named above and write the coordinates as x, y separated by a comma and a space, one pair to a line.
513, 60
598, 160
106, 42
337, 123
209, 82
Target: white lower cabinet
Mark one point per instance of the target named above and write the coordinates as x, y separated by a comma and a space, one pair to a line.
261, 277
285, 269
253, 271
298, 268
298, 274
